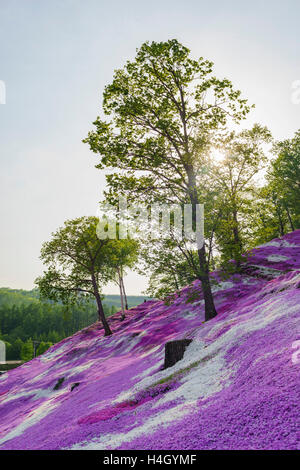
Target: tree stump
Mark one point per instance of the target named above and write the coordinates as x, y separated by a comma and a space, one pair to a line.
174, 351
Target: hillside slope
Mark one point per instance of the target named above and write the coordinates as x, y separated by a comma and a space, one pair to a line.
237, 386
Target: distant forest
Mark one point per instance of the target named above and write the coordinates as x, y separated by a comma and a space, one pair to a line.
24, 318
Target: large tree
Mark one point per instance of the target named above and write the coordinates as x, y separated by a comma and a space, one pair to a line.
78, 265
163, 111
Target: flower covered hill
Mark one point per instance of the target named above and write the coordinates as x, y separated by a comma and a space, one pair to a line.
237, 386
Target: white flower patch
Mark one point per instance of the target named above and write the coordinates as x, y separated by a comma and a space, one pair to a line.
249, 281
162, 419
133, 342
282, 243
150, 351
76, 370
223, 285
271, 243
268, 271
50, 355
15, 396
35, 394
189, 313
35, 416
283, 285
294, 281
39, 377
287, 244
148, 381
277, 258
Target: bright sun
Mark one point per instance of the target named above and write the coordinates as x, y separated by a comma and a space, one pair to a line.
217, 155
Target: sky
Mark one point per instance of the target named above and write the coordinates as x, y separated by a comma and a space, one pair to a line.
55, 59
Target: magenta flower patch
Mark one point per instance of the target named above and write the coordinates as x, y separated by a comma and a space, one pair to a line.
237, 386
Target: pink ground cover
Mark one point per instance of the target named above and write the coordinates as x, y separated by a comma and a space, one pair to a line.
237, 386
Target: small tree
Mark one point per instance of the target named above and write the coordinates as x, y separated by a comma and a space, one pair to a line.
27, 351
284, 176
43, 347
243, 158
14, 353
77, 265
270, 215
170, 266
121, 254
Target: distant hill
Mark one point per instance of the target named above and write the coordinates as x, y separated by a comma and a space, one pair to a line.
18, 297
23, 318
133, 300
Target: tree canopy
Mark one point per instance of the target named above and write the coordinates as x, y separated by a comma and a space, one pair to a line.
164, 111
79, 264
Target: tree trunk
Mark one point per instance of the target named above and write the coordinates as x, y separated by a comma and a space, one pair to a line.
102, 318
278, 212
210, 310
281, 227
289, 217
175, 280
125, 296
262, 219
121, 295
237, 240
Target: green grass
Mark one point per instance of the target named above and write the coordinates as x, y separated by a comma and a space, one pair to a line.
5, 367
